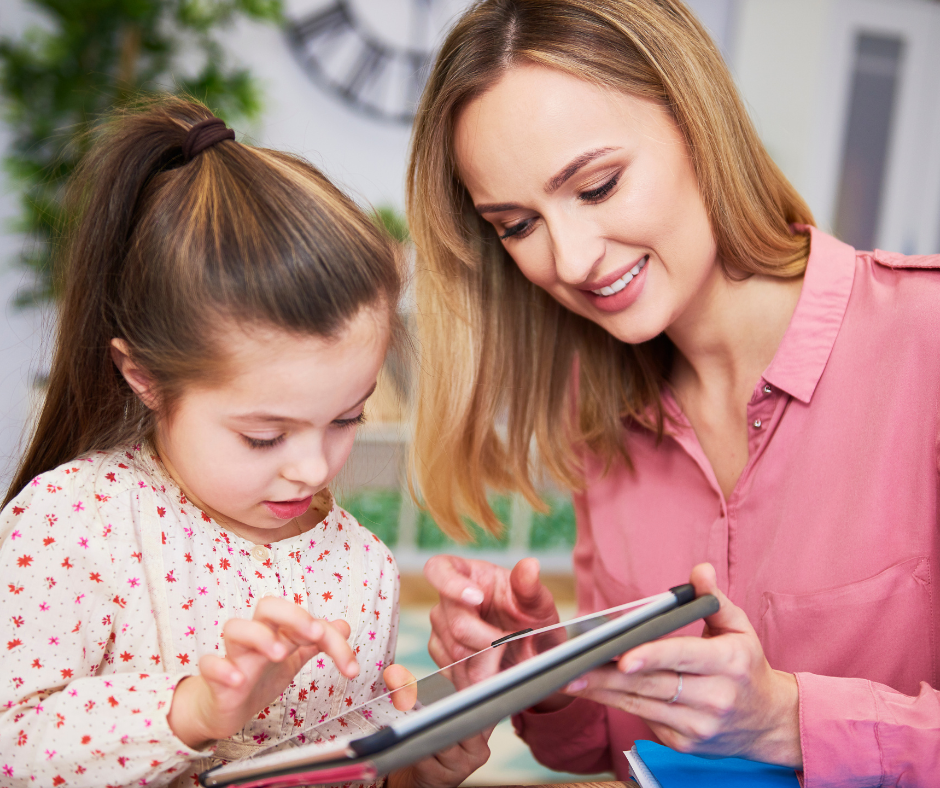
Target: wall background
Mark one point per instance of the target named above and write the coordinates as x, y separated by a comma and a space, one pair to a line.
792, 60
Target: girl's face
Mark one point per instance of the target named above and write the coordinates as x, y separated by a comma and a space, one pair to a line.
594, 196
254, 451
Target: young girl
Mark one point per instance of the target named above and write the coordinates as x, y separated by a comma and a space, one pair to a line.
178, 585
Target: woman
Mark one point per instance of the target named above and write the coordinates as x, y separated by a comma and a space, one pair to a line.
613, 269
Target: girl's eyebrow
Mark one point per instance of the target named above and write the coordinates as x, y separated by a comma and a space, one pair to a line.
261, 416
554, 183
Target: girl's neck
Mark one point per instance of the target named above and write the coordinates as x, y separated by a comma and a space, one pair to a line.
729, 335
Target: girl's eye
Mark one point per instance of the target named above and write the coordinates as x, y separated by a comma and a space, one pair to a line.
259, 443
598, 194
520, 230
353, 422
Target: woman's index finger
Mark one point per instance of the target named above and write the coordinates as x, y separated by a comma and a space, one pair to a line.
451, 578
703, 656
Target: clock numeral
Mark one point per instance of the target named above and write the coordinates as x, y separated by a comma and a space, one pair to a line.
371, 62
323, 25
419, 66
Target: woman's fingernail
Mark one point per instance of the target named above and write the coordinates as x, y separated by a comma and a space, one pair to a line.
472, 596
634, 666
278, 650
577, 685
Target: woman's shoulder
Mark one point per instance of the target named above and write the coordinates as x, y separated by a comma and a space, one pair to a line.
900, 292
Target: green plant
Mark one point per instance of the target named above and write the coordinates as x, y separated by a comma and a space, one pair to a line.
92, 56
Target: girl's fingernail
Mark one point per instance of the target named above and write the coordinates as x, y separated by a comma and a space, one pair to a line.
634, 666
472, 596
577, 685
278, 650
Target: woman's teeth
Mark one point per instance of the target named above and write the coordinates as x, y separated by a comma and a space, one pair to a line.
623, 281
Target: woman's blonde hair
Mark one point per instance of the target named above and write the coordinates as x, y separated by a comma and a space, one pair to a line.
494, 346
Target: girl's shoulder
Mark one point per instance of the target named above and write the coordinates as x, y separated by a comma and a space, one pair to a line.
82, 487
339, 520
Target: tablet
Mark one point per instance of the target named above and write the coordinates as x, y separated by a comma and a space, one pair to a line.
511, 675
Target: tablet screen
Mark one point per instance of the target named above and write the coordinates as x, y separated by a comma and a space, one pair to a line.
506, 653
514, 664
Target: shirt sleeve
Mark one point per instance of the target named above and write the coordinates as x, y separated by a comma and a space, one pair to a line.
575, 738
60, 723
858, 732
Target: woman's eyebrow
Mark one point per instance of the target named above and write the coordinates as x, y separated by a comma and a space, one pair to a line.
554, 183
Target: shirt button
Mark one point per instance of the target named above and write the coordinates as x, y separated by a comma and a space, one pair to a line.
260, 553
768, 390
757, 424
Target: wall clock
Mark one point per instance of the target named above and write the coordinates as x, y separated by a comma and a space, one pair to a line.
373, 54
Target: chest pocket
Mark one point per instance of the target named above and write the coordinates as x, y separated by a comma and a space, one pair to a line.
880, 628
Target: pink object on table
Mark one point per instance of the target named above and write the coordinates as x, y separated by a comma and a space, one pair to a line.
829, 541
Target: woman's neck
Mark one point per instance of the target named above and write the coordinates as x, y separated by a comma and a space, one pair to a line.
730, 334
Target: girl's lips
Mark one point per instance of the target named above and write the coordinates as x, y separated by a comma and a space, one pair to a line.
621, 300
288, 510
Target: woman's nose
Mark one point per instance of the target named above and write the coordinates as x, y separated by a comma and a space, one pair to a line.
577, 249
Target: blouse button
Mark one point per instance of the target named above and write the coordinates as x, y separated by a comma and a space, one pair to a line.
757, 424
768, 390
260, 553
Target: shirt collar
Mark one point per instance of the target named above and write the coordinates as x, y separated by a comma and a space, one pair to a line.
802, 356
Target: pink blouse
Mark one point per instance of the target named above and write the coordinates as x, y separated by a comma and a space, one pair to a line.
829, 542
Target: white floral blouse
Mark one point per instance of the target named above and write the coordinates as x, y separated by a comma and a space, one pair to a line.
113, 586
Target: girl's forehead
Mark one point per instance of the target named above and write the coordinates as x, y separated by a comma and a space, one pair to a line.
294, 374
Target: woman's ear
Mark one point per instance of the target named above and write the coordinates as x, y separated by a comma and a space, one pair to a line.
137, 377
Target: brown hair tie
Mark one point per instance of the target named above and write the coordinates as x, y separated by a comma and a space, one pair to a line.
204, 135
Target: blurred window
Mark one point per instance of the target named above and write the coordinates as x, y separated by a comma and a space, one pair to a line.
873, 98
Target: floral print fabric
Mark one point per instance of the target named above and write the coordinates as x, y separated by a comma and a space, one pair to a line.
113, 586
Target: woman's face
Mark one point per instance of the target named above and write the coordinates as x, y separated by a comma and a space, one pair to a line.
594, 196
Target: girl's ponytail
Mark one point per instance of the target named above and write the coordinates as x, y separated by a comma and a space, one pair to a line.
87, 403
166, 244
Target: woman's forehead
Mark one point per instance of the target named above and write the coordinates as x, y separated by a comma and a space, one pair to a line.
535, 120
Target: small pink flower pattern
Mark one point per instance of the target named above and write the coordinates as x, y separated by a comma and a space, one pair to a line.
84, 691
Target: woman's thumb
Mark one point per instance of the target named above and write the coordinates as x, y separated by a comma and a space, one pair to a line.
729, 618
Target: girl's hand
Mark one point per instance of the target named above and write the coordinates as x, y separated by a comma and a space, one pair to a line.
448, 768
262, 656
481, 603
732, 702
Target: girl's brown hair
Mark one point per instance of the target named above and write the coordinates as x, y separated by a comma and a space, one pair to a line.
163, 250
494, 345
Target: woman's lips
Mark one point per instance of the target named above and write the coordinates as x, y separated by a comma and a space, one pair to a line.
623, 299
288, 510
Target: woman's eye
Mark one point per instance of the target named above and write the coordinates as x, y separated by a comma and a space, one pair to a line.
520, 230
598, 194
263, 443
353, 422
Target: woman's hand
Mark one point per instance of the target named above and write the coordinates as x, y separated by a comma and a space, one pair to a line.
262, 656
481, 603
731, 701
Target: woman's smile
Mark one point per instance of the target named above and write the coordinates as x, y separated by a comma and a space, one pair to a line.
617, 291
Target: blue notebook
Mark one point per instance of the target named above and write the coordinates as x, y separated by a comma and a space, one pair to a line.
671, 769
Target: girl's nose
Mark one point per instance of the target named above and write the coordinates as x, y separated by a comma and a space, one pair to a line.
310, 468
577, 249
